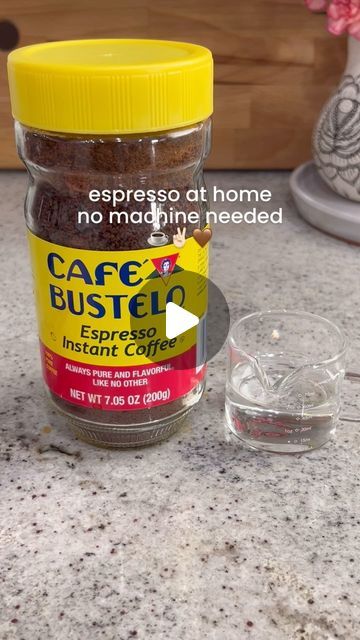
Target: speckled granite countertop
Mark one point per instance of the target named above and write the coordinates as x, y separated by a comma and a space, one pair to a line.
195, 538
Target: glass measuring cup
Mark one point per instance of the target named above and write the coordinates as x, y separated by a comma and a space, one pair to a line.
284, 378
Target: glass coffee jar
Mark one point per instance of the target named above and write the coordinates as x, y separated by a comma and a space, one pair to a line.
114, 134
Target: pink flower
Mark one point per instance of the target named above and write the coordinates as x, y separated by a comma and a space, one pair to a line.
344, 15
316, 5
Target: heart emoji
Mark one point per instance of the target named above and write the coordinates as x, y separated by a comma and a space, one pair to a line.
202, 237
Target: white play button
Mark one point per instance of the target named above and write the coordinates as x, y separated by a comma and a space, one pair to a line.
178, 320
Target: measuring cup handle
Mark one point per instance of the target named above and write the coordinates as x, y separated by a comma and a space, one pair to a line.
352, 376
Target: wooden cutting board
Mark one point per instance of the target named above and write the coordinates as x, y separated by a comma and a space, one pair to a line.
275, 64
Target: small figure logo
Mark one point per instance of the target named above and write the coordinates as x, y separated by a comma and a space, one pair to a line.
165, 266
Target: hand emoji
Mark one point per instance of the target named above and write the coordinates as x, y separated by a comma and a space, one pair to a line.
179, 238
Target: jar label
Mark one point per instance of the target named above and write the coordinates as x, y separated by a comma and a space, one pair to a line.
101, 317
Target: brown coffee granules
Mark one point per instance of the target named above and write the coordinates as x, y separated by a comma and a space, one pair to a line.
67, 169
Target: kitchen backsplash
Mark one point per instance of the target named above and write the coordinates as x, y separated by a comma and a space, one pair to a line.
275, 65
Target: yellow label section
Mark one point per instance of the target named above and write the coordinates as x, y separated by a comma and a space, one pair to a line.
108, 307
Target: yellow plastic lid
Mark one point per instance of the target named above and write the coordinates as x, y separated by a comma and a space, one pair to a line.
110, 86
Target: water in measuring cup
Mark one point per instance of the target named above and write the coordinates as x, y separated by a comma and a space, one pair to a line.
274, 407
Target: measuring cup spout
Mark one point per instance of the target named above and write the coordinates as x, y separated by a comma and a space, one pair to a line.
259, 372
286, 382
282, 384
